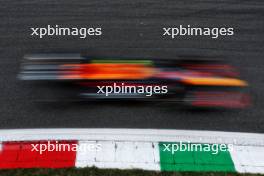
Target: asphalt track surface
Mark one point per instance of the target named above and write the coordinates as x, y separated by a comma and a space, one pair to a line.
131, 28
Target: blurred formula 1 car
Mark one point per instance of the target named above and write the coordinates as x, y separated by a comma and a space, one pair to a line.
196, 83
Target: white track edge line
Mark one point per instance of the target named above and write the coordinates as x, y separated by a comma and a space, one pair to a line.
153, 135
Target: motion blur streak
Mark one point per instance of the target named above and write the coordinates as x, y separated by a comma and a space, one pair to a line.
107, 71
199, 83
215, 81
224, 99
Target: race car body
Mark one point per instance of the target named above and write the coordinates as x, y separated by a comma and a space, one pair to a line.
198, 83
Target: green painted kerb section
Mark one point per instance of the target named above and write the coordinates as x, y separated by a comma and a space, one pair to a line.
201, 159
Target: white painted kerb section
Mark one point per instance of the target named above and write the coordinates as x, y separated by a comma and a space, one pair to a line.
121, 155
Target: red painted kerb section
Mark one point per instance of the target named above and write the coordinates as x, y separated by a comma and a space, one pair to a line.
20, 155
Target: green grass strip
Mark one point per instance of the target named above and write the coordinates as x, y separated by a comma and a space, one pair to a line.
108, 172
